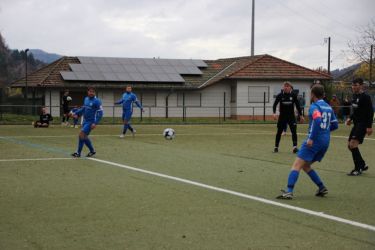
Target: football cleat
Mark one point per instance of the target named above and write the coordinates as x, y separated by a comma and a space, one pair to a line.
122, 136
355, 172
133, 132
295, 150
76, 155
276, 150
285, 195
91, 154
321, 192
364, 168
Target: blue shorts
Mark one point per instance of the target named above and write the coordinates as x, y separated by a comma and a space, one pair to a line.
127, 115
314, 153
86, 127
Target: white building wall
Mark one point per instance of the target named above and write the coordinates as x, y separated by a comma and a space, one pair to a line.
107, 98
244, 107
52, 101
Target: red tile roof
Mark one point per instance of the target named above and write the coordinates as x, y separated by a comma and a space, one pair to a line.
249, 67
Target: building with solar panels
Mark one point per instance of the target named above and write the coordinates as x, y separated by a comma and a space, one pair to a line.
235, 87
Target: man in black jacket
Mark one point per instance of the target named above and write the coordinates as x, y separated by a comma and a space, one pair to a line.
362, 118
287, 100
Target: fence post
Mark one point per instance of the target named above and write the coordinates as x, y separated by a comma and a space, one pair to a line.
142, 103
1, 104
166, 106
224, 108
183, 107
253, 113
264, 106
113, 114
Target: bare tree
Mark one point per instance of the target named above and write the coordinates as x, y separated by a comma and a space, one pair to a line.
360, 48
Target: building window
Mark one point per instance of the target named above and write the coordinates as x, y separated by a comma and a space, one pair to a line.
233, 94
191, 99
256, 94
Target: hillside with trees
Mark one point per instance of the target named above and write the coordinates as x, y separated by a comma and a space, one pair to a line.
12, 63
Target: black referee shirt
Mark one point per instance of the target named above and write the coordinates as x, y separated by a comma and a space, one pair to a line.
362, 109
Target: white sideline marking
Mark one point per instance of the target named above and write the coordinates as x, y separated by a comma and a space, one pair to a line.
35, 159
246, 196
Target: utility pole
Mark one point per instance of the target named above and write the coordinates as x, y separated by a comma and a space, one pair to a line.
26, 90
329, 56
371, 50
252, 27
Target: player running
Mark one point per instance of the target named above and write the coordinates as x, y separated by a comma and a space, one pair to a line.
362, 118
322, 121
92, 113
127, 100
287, 100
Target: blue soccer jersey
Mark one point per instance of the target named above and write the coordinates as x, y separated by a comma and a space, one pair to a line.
127, 100
92, 112
322, 121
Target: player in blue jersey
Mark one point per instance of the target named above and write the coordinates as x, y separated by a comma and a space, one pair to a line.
322, 121
92, 112
127, 100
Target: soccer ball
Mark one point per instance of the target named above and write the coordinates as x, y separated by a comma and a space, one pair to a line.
69, 99
169, 133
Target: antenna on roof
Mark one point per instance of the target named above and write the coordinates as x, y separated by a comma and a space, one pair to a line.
252, 27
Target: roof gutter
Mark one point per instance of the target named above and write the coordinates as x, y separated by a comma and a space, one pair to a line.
205, 83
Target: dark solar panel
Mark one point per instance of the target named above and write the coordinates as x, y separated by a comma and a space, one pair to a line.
133, 69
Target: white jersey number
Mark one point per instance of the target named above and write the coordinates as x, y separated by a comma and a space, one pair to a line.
326, 120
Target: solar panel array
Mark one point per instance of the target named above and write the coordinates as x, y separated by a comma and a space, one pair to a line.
132, 69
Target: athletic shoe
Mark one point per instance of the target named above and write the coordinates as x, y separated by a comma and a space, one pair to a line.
133, 132
91, 154
76, 155
284, 133
276, 150
365, 168
122, 136
285, 195
321, 192
355, 172
295, 150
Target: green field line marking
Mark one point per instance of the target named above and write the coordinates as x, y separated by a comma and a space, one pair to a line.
242, 195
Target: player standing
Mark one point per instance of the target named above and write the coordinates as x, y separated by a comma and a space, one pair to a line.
127, 100
362, 118
92, 112
287, 100
66, 99
322, 121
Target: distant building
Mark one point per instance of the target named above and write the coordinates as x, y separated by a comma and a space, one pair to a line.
237, 86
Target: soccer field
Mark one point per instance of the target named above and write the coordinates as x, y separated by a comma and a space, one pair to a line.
212, 187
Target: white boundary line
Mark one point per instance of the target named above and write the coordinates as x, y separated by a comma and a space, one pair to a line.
35, 159
246, 196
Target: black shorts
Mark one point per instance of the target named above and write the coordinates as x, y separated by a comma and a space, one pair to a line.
358, 133
283, 121
66, 110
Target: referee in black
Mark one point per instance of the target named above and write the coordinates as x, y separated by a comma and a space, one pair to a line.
361, 117
287, 100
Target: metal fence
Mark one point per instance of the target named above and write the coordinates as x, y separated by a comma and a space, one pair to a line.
25, 114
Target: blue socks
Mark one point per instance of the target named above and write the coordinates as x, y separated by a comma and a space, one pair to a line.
125, 128
89, 145
315, 178
86, 142
80, 145
292, 179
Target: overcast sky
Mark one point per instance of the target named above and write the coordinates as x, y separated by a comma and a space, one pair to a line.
206, 29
